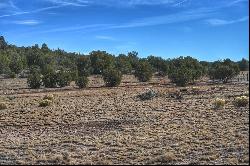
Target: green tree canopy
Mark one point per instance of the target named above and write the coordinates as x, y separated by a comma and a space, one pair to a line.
185, 70
223, 70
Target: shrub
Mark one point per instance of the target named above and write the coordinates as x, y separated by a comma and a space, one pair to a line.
219, 103
241, 101
82, 82
34, 80
12, 75
49, 97
112, 77
148, 95
63, 78
143, 71
45, 103
3, 106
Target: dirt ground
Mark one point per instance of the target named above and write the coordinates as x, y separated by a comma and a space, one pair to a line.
100, 125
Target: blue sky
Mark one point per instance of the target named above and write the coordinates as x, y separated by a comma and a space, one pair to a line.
204, 29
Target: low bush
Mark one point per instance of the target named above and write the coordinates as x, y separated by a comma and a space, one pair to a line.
241, 101
148, 95
45, 103
49, 97
3, 106
219, 103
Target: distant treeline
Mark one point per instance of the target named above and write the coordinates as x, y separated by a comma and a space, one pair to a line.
18, 61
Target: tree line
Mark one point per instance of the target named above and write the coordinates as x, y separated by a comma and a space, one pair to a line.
57, 68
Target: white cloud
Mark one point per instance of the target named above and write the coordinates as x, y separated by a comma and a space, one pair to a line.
26, 22
219, 22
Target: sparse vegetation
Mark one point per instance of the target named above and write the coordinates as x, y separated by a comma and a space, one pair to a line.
219, 103
3, 106
45, 103
164, 124
241, 101
48, 97
148, 95
75, 117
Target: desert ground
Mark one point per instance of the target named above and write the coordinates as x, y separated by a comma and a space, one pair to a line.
100, 125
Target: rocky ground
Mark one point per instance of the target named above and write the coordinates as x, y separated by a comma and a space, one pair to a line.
102, 125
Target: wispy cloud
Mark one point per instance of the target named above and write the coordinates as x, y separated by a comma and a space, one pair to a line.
14, 14
91, 27
190, 15
59, 5
132, 3
168, 19
219, 22
102, 37
235, 2
26, 22
70, 2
